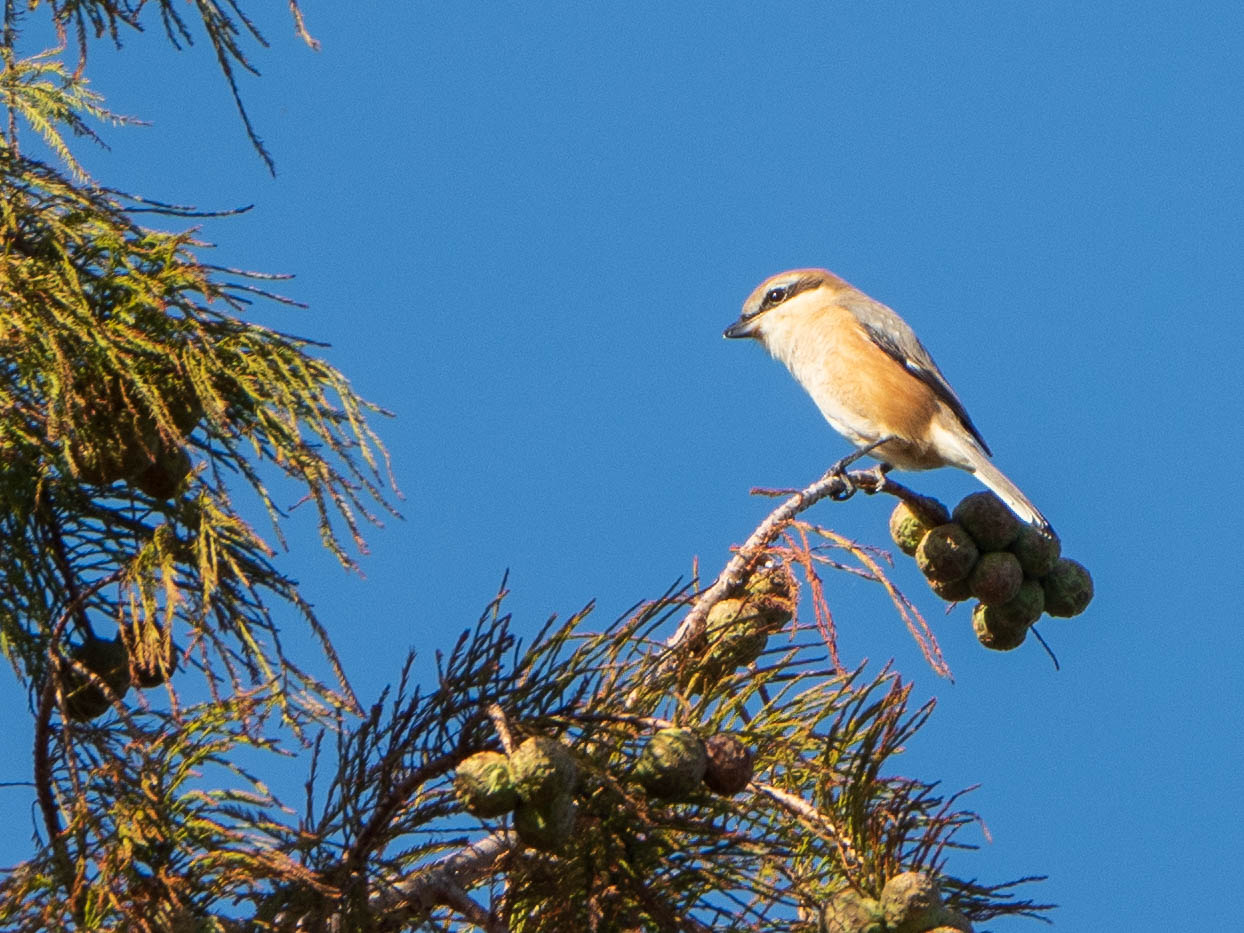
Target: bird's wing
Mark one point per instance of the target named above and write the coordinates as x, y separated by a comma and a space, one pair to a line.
893, 335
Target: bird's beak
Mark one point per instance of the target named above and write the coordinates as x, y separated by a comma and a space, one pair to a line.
743, 327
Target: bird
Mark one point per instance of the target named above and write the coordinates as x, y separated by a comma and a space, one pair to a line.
872, 378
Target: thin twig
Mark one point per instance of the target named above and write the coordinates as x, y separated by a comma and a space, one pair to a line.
42, 763
372, 834
43, 776
800, 808
1048, 649
497, 715
833, 483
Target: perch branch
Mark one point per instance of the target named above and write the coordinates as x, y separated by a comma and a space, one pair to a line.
833, 484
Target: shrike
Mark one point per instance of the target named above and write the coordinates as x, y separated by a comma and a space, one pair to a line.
871, 377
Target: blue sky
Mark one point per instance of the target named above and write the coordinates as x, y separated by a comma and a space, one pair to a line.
523, 228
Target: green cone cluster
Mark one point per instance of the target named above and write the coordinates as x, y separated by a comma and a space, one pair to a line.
910, 903
484, 786
984, 552
676, 762
536, 783
545, 775
737, 629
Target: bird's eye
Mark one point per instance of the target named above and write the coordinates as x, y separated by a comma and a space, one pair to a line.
775, 296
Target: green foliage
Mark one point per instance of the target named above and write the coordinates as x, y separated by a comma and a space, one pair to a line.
171, 827
140, 417
225, 24
120, 347
42, 91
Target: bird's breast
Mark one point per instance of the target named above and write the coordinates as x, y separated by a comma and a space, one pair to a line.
863, 392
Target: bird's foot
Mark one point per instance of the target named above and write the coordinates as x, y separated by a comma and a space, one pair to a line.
880, 471
846, 489
848, 486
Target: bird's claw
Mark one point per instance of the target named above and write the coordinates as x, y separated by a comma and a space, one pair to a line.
839, 470
847, 489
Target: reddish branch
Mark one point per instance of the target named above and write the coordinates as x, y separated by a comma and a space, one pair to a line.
834, 484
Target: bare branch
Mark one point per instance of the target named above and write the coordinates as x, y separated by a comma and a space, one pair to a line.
833, 483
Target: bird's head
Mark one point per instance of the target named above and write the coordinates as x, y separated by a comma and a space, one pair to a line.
785, 297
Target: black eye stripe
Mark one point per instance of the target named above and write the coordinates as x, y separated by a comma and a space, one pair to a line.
780, 294
775, 296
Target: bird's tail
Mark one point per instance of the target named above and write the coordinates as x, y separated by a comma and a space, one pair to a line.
1007, 491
